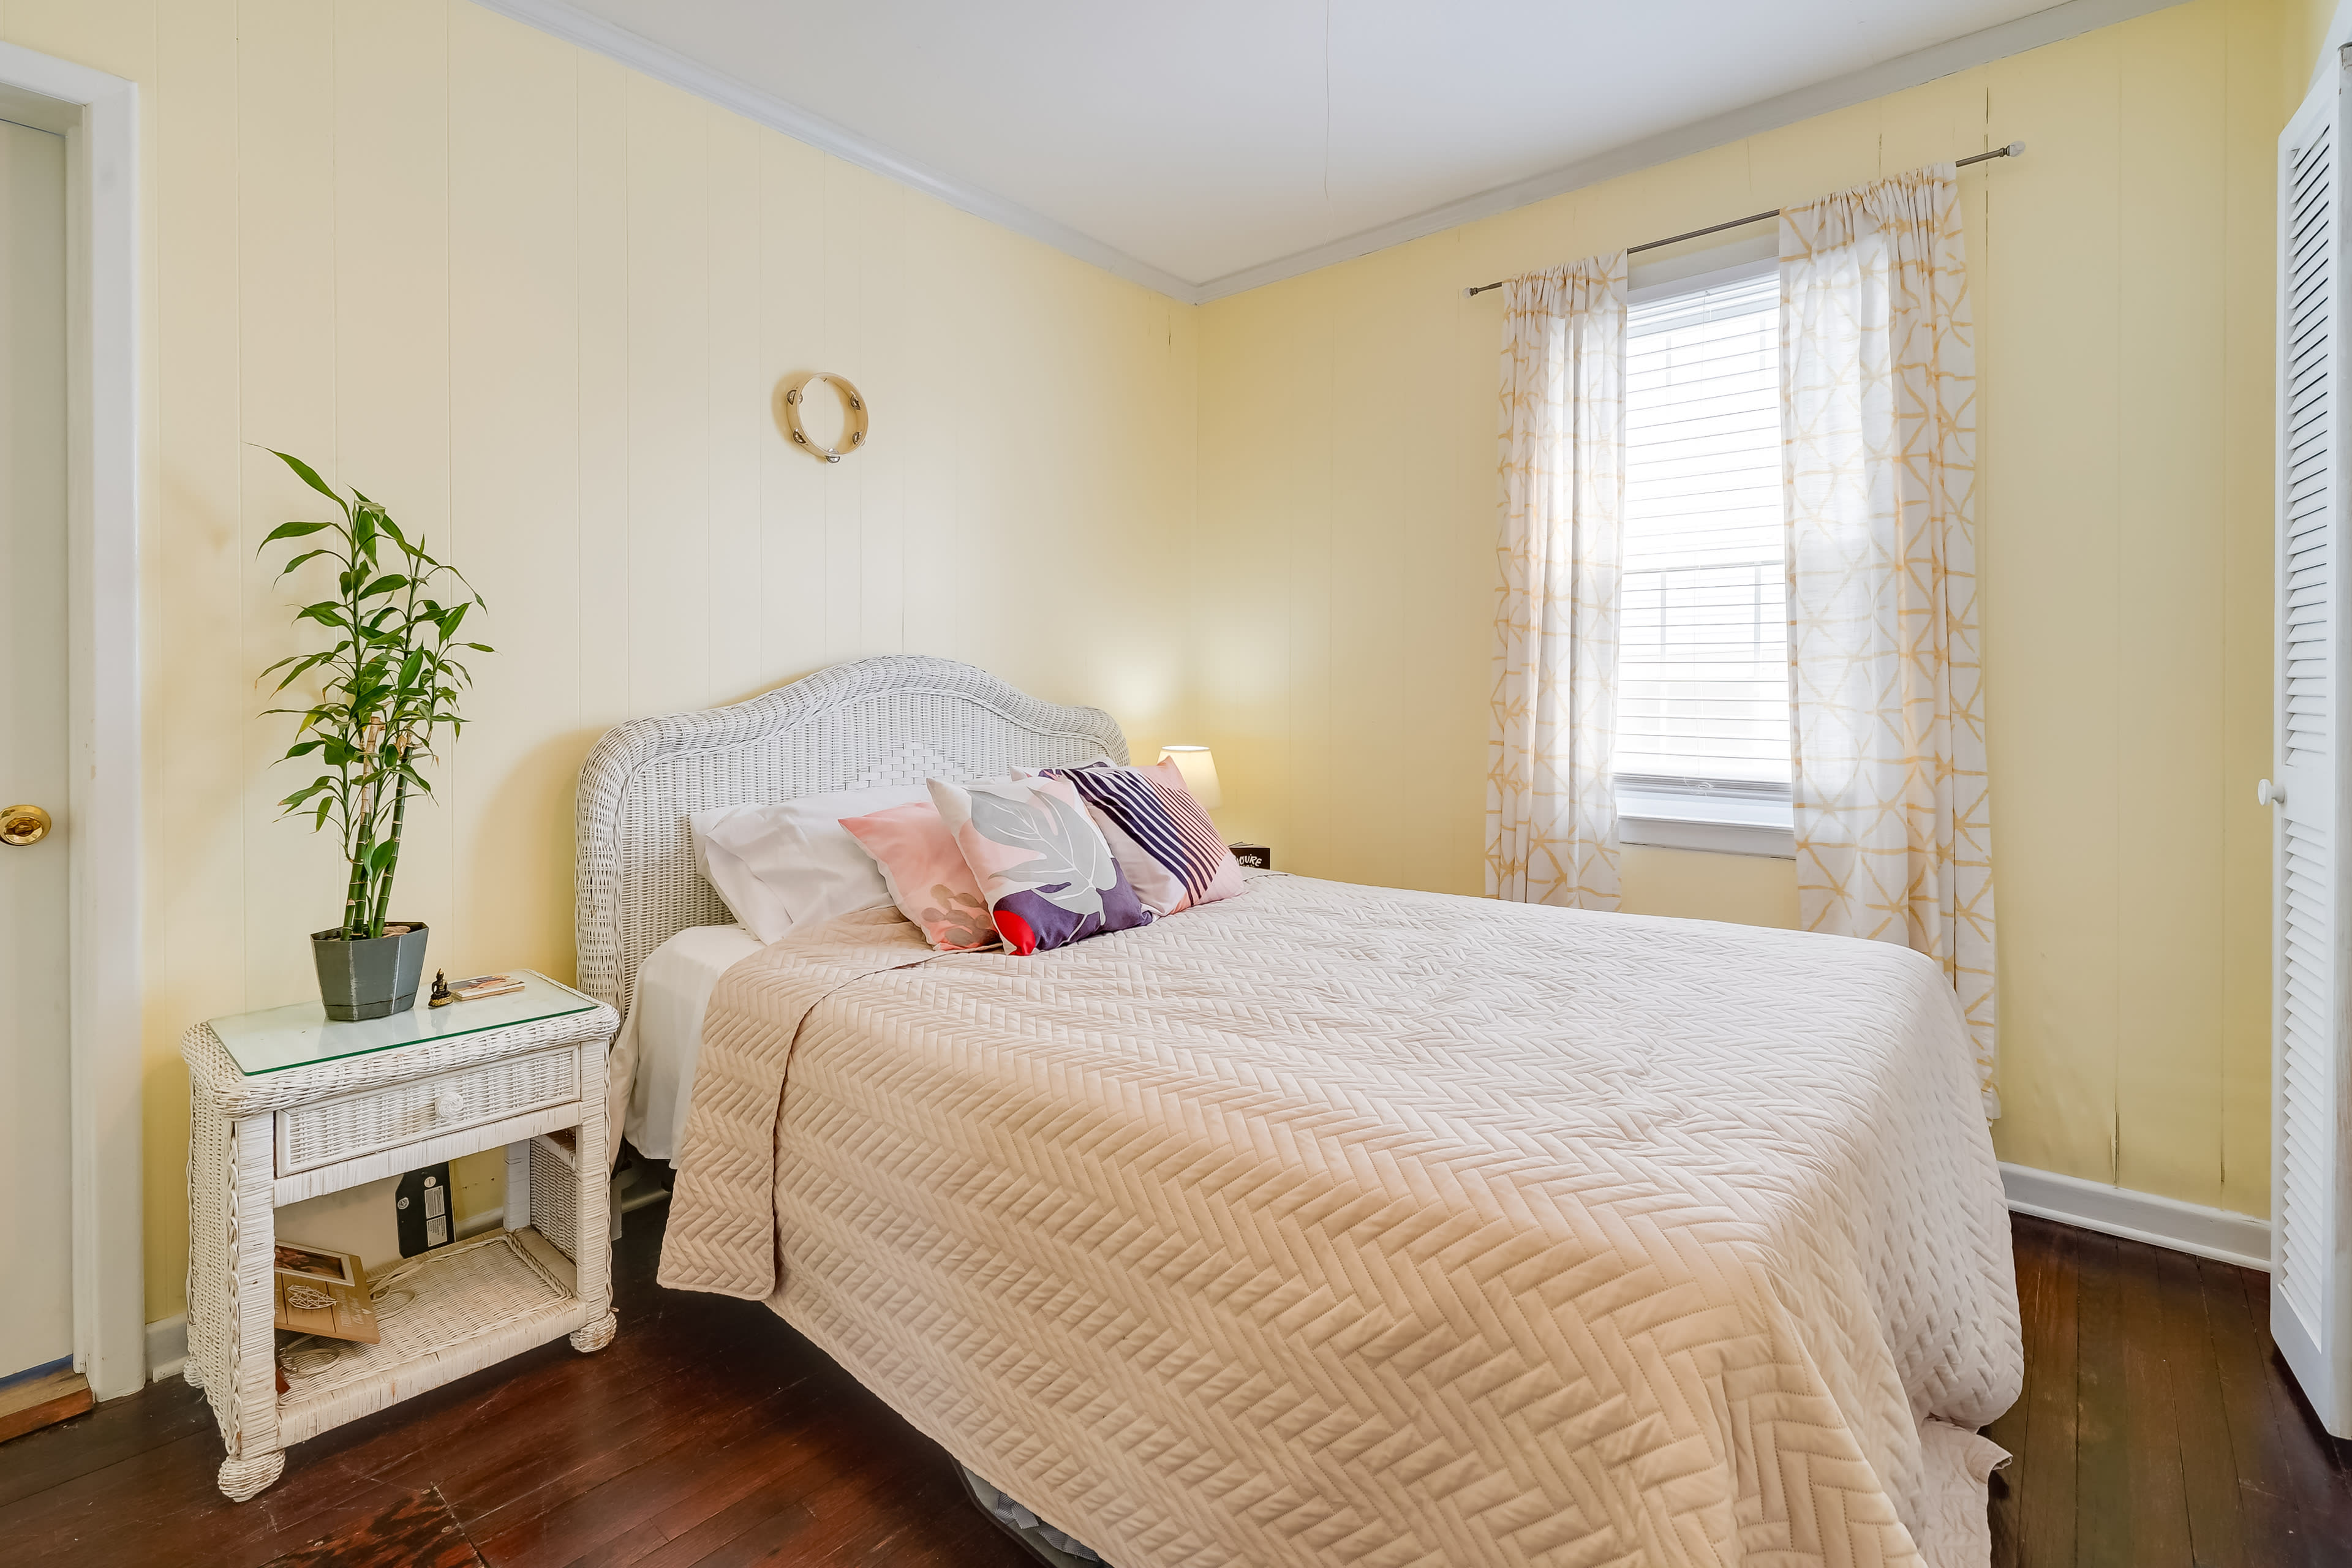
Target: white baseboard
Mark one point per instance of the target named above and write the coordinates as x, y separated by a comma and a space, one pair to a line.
2218, 1234
167, 1347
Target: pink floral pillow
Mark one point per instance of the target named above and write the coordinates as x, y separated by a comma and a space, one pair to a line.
930, 880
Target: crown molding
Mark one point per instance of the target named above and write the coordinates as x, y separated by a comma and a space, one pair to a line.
2065, 21
662, 63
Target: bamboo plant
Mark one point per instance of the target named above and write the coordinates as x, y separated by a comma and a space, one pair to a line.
388, 681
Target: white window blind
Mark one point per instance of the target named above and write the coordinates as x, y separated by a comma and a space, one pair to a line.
1702, 669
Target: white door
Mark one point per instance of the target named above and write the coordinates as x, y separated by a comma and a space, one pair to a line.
36, 1210
2311, 1309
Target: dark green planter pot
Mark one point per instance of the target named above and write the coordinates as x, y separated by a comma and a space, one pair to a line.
372, 978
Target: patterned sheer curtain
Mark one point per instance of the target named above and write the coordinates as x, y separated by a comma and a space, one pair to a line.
1551, 814
1878, 418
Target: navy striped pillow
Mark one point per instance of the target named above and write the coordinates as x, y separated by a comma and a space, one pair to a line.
1152, 808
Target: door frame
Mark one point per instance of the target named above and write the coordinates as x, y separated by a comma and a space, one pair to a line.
98, 116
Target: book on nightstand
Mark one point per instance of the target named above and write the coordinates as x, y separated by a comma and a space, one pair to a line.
473, 988
321, 1291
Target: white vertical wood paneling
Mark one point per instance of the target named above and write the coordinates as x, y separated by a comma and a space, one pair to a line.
736, 404
517, 511
601, 264
285, 214
389, 215
539, 304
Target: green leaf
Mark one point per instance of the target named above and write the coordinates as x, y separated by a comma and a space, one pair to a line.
299, 670
389, 583
383, 856
309, 475
450, 622
307, 556
289, 530
479, 647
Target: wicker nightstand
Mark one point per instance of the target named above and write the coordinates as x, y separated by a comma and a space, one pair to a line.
286, 1106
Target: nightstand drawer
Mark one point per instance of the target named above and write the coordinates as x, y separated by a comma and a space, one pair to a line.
330, 1131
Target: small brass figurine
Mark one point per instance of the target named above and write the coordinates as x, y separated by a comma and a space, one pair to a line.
442, 996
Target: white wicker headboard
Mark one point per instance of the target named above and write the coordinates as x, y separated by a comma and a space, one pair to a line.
896, 719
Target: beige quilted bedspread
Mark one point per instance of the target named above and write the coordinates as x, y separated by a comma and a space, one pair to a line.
1336, 1224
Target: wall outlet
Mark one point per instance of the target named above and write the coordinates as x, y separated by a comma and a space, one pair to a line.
427, 1217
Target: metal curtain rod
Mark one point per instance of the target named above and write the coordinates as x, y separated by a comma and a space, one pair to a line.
2014, 149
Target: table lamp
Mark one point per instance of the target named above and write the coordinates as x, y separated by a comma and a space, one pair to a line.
1199, 771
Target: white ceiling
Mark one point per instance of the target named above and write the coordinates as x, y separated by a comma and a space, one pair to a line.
1211, 137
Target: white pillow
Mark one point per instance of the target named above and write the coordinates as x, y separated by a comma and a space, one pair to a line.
793, 864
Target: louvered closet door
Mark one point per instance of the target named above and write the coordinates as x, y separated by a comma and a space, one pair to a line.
2311, 1308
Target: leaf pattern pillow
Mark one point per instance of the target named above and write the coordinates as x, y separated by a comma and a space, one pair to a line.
1039, 860
930, 880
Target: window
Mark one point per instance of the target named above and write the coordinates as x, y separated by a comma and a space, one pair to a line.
1703, 666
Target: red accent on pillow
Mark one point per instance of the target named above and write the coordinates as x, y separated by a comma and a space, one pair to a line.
1018, 939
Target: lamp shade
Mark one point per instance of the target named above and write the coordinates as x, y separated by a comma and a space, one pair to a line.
1199, 771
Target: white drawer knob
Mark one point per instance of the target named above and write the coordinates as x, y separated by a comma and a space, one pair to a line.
2269, 793
448, 1105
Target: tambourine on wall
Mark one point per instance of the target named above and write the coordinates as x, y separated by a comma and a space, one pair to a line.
823, 414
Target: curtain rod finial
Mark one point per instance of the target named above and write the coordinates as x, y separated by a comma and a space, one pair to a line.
2015, 149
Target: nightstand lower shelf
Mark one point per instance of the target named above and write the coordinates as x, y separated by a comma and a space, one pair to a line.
449, 1312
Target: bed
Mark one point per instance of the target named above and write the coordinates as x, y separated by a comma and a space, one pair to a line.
1331, 1225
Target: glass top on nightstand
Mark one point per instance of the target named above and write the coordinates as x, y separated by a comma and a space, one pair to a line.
300, 1035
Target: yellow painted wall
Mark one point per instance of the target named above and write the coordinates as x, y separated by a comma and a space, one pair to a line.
2308, 24
2122, 275
538, 306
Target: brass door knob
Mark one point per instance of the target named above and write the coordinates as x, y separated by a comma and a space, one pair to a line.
23, 824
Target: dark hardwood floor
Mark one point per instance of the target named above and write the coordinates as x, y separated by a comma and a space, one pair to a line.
707, 1433
2157, 1429
2157, 1425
